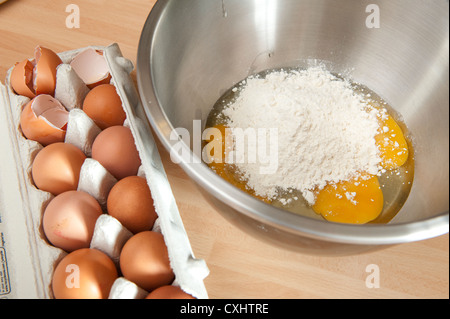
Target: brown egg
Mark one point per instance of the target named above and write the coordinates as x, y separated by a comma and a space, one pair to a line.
144, 260
169, 292
104, 106
44, 120
84, 274
69, 220
131, 203
45, 72
115, 149
56, 168
22, 79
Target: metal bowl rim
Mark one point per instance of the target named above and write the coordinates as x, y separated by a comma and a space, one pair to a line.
367, 234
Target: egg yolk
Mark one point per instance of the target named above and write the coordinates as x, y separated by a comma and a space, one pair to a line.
391, 143
357, 201
217, 146
217, 154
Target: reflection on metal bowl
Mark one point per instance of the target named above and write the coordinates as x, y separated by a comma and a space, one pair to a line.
191, 52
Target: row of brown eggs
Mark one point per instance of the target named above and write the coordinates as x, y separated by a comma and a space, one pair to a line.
88, 273
69, 219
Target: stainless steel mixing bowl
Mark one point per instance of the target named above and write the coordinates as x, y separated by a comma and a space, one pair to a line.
192, 51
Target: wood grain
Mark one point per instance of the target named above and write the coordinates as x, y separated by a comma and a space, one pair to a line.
240, 266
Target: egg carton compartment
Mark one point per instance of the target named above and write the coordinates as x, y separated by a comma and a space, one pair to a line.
22, 208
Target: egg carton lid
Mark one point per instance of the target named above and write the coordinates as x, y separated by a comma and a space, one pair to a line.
26, 260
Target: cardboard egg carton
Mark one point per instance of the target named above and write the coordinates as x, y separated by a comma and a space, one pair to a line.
27, 259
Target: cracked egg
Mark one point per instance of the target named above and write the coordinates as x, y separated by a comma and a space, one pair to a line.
38, 76
44, 120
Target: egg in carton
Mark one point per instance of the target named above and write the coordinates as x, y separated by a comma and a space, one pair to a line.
109, 235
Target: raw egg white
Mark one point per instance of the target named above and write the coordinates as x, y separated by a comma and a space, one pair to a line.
130, 202
84, 274
69, 220
144, 260
360, 200
357, 201
56, 168
104, 106
114, 148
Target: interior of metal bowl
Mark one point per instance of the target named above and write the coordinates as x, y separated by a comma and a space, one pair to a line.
191, 52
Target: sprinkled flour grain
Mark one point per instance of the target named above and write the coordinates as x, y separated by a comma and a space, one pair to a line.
325, 130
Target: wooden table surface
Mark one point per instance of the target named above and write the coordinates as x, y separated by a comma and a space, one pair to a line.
240, 266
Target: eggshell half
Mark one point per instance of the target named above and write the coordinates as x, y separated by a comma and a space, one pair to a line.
44, 120
47, 62
91, 67
21, 79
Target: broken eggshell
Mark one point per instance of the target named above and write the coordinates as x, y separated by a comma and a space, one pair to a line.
44, 120
45, 72
91, 67
22, 79
38, 76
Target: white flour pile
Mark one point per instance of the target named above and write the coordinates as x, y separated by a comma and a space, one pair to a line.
325, 131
